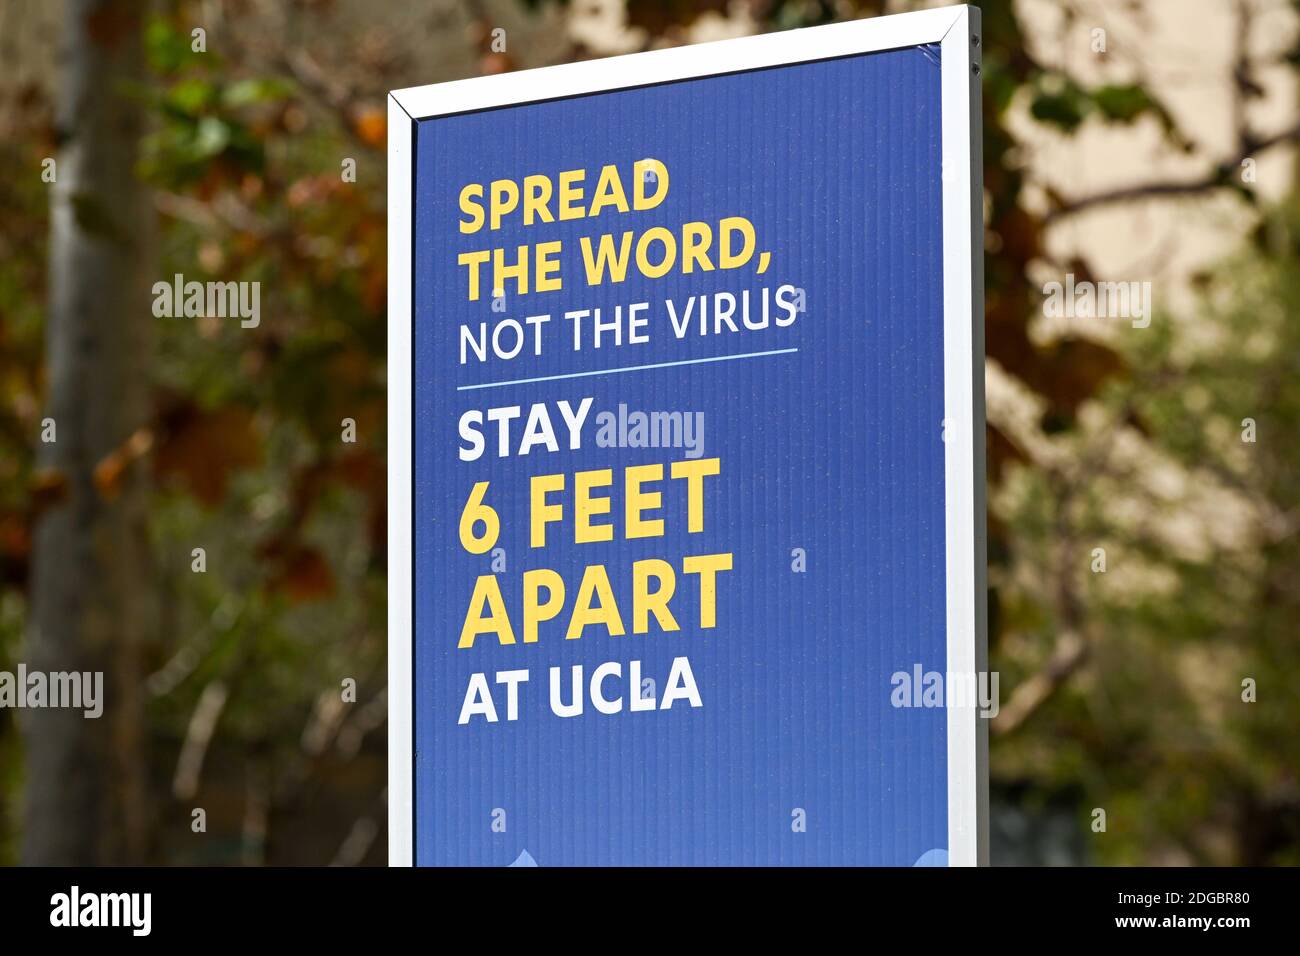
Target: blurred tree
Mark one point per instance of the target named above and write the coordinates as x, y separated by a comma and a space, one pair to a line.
90, 590
1186, 474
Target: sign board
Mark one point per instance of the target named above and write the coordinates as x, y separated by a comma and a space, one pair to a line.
686, 456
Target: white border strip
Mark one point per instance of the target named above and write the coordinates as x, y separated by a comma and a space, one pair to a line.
400, 476
953, 28
963, 337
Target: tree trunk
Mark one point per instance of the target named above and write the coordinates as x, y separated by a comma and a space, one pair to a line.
90, 588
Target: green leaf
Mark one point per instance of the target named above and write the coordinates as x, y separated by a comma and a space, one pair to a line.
210, 138
166, 49
1123, 104
255, 90
191, 96
1064, 109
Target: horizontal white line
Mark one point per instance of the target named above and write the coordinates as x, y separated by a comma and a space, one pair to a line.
629, 368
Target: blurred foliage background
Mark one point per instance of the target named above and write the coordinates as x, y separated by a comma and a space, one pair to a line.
1122, 688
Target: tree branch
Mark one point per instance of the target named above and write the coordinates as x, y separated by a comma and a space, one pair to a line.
1215, 178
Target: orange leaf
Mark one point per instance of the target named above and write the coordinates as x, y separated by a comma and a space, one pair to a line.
112, 467
371, 126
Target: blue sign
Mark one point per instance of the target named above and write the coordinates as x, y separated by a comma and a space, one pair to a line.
681, 561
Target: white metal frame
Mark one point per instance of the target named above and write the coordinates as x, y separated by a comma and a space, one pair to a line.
956, 29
